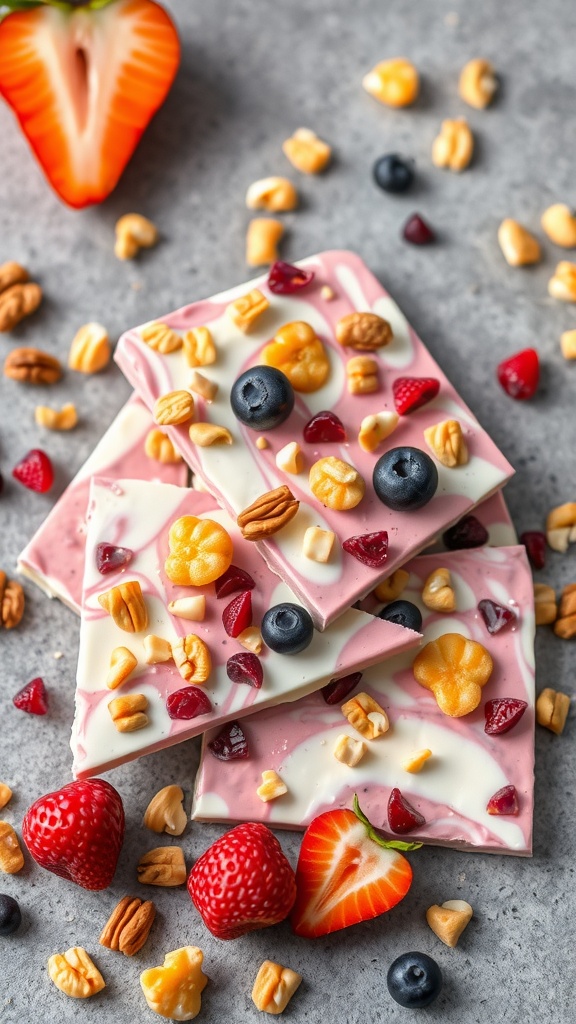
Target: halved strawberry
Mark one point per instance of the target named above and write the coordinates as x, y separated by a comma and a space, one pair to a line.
410, 393
84, 83
346, 873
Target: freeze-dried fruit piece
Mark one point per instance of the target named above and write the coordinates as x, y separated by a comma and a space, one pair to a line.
324, 427
402, 817
502, 714
535, 543
519, 375
410, 393
496, 616
298, 353
35, 471
174, 990
505, 801
417, 231
232, 580
245, 668
32, 698
189, 702
285, 279
338, 689
336, 484
237, 615
230, 744
109, 558
369, 548
200, 551
455, 669
468, 533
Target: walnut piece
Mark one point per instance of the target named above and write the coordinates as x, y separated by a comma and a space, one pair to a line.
366, 716
17, 302
12, 273
125, 603
173, 408
164, 865
11, 856
364, 332
446, 441
165, 812
128, 927
11, 602
192, 658
268, 514
74, 973
274, 987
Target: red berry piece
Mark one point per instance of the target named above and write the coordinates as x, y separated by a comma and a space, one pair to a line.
35, 471
535, 543
245, 668
189, 702
505, 801
402, 817
410, 393
284, 279
338, 689
324, 426
417, 231
109, 558
230, 744
468, 533
369, 548
32, 698
237, 615
232, 580
496, 616
502, 714
520, 374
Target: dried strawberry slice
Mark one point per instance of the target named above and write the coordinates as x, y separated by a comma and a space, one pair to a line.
237, 615
232, 580
285, 279
505, 801
324, 427
402, 817
502, 714
245, 668
519, 375
35, 471
468, 533
32, 698
230, 744
338, 689
109, 557
496, 616
369, 548
410, 393
189, 702
535, 543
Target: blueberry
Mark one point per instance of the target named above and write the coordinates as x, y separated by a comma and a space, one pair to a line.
392, 173
403, 613
262, 397
287, 628
414, 980
10, 916
405, 479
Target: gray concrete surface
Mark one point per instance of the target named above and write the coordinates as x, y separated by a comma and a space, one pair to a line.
252, 71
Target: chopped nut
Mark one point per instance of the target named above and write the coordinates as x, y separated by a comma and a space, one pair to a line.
165, 812
366, 716
31, 366
134, 232
156, 649
364, 332
362, 374
125, 603
207, 434
200, 385
174, 989
455, 669
173, 408
349, 751
163, 866
17, 302
159, 446
274, 987
192, 659
438, 593
561, 526
5, 791
336, 484
306, 152
518, 245
552, 709
446, 441
392, 587
11, 856
262, 240
90, 350
128, 712
11, 602
317, 544
290, 458
251, 639
545, 606
568, 344
565, 625
268, 514
199, 347
376, 428
193, 608
74, 973
393, 82
299, 354
276, 195
245, 311
478, 83
52, 419
327, 293
454, 146
559, 223
415, 762
262, 443
122, 664
12, 273
161, 338
128, 927
563, 284
449, 921
272, 787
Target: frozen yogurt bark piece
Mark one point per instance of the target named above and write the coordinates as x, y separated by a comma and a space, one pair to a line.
54, 557
138, 516
240, 472
466, 767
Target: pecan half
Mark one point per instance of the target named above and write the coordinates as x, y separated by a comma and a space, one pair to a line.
268, 514
32, 366
18, 301
11, 602
12, 273
163, 865
128, 926
363, 331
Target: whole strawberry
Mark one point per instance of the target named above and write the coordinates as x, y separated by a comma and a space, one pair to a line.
77, 832
242, 882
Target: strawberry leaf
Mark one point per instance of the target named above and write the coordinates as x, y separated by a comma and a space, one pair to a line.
387, 844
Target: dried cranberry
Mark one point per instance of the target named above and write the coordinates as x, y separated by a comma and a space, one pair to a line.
402, 817
189, 702
232, 580
230, 744
324, 426
535, 543
337, 689
519, 375
32, 698
496, 616
417, 231
369, 548
109, 558
35, 471
245, 668
237, 615
505, 801
468, 533
502, 714
284, 279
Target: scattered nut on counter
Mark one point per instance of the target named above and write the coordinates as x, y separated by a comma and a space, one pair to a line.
559, 223
53, 419
262, 239
11, 856
165, 812
128, 927
519, 247
164, 866
395, 82
90, 350
552, 709
274, 987
449, 920
276, 195
454, 146
478, 84
563, 283
75, 974
306, 152
19, 297
12, 602
134, 232
174, 989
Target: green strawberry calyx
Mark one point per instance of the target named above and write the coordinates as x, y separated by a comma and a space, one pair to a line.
387, 844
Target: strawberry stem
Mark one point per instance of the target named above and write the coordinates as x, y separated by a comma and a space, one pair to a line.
388, 844
10, 6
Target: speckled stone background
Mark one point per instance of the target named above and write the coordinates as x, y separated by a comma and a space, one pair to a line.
252, 71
